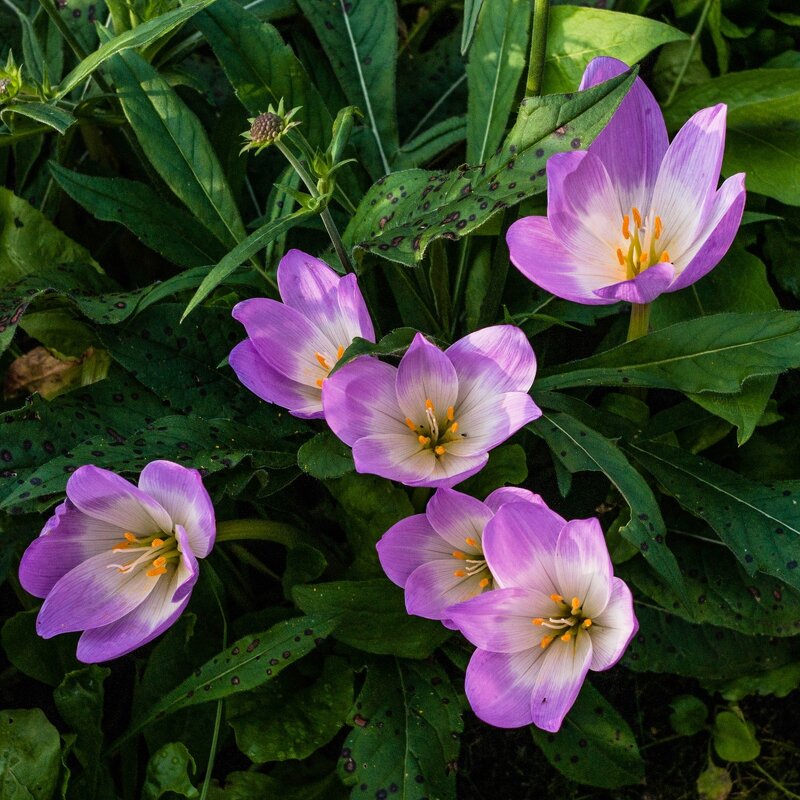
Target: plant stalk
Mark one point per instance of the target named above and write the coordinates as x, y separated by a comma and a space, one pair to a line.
689, 53
541, 13
640, 320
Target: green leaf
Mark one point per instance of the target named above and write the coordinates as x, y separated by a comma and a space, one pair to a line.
710, 354
780, 682
714, 783
471, 10
734, 738
262, 68
30, 755
758, 523
689, 715
325, 456
161, 226
432, 141
372, 617
595, 745
140, 36
249, 785
176, 144
580, 448
289, 718
405, 737
496, 63
507, 465
168, 771
404, 212
762, 137
247, 664
395, 343
576, 35
360, 40
57, 118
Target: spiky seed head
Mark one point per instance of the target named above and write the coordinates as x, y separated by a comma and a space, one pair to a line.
266, 128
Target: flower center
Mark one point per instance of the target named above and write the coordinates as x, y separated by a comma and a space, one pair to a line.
567, 624
641, 241
160, 552
473, 564
435, 432
322, 360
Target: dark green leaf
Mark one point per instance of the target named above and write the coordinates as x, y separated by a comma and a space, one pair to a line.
471, 10
507, 466
734, 738
52, 115
689, 715
325, 456
168, 771
30, 755
395, 343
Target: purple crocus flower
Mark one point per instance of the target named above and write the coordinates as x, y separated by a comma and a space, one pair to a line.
431, 420
437, 557
119, 561
634, 216
558, 612
293, 345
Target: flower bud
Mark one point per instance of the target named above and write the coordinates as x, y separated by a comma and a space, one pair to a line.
266, 128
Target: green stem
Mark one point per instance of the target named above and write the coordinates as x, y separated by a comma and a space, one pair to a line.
458, 286
325, 214
640, 320
777, 784
264, 530
689, 53
541, 12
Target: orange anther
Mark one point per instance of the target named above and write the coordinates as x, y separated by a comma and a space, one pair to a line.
546, 640
339, 352
537, 621
157, 543
637, 217
471, 542
459, 554
567, 636
429, 405
556, 598
484, 582
411, 424
320, 381
160, 561
626, 221
129, 536
587, 623
423, 440
451, 413
322, 362
620, 257
156, 571
644, 259
121, 546
454, 428
460, 573
657, 228
665, 257
439, 450
576, 603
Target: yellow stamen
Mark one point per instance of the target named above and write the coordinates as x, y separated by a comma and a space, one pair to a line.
620, 257
637, 217
644, 259
339, 352
587, 623
320, 381
665, 257
546, 640
129, 536
567, 636
322, 362
411, 425
159, 562
454, 428
576, 604
460, 573
155, 572
556, 598
538, 621
459, 554
451, 413
471, 542
484, 582
121, 546
626, 221
439, 450
429, 405
156, 543
423, 440
657, 228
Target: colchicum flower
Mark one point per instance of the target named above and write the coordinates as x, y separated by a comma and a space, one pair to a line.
432, 420
293, 345
558, 612
437, 557
634, 216
119, 561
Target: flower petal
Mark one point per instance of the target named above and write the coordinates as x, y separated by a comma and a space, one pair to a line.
456, 517
512, 494
407, 545
433, 586
425, 374
506, 346
687, 181
541, 257
499, 686
93, 594
583, 565
714, 240
500, 620
485, 424
613, 630
353, 308
644, 288
396, 456
108, 497
267, 383
187, 571
519, 543
181, 492
561, 675
452, 468
634, 141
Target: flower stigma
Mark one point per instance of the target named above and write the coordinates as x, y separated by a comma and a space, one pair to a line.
160, 552
566, 624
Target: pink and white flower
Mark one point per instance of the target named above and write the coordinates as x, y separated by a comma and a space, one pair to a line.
119, 561
633, 216
293, 345
432, 420
557, 612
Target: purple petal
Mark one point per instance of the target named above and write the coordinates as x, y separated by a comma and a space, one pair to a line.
501, 620
511, 494
105, 496
687, 181
639, 123
499, 686
267, 383
425, 374
583, 565
456, 517
407, 545
92, 594
542, 258
561, 675
181, 492
286, 339
714, 240
519, 543
397, 456
613, 630
353, 308
452, 468
360, 399
644, 288
506, 346
187, 571
434, 586
488, 422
